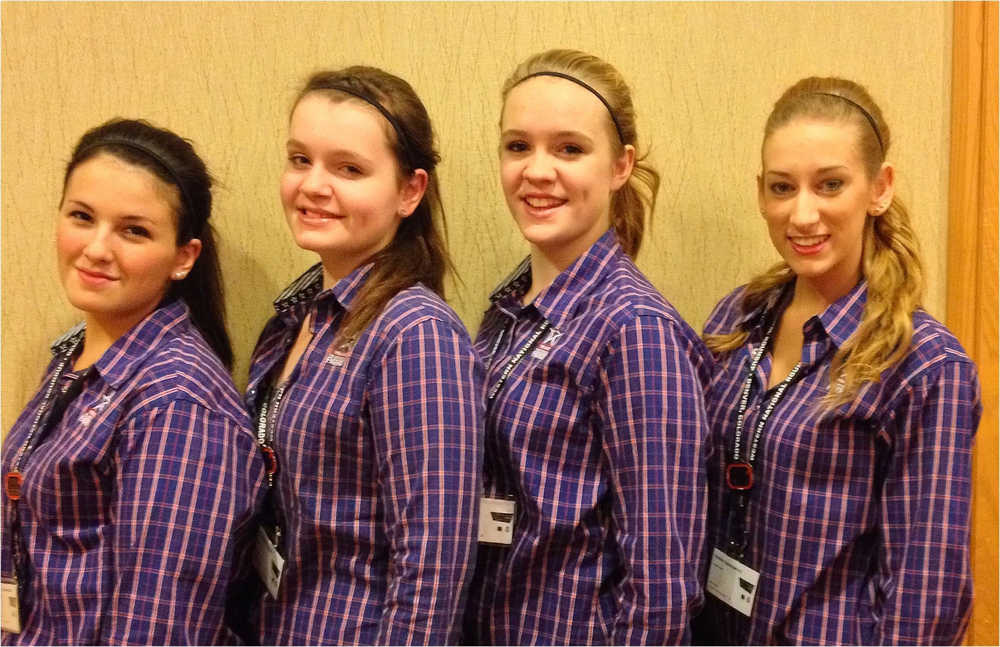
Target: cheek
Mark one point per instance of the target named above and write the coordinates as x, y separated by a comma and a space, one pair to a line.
509, 177
68, 243
775, 225
151, 266
288, 189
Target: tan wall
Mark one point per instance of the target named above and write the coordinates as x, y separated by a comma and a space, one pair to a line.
703, 75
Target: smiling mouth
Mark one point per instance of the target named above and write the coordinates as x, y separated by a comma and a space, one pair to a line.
95, 277
542, 202
808, 244
316, 214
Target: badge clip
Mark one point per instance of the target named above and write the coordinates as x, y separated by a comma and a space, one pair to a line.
12, 485
739, 476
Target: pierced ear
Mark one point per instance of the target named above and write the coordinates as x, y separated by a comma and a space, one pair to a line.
623, 167
412, 192
187, 254
884, 188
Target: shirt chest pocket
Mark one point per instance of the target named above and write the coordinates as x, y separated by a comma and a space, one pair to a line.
321, 416
71, 472
551, 401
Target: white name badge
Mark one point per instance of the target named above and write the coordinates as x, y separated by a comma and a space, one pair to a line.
268, 562
732, 581
10, 616
496, 521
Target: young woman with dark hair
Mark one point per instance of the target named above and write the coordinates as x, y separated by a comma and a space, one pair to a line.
365, 386
133, 468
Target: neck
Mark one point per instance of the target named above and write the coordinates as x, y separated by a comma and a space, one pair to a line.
814, 298
336, 268
547, 264
544, 270
333, 273
100, 335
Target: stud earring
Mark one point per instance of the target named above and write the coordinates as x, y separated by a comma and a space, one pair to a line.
179, 275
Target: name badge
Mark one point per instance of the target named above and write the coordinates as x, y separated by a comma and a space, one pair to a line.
496, 521
732, 581
268, 562
10, 615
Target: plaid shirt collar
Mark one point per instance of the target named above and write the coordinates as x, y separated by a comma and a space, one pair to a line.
559, 301
120, 361
837, 322
291, 304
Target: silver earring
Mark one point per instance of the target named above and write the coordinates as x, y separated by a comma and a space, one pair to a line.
179, 275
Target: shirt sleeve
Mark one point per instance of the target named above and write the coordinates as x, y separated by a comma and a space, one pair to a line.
426, 417
186, 483
654, 427
925, 581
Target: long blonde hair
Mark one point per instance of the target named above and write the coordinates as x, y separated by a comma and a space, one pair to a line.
890, 259
635, 201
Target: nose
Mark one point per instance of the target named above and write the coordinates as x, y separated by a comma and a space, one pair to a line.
317, 182
98, 248
805, 210
539, 169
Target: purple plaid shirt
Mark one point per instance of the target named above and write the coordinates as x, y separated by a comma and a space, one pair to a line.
130, 505
859, 519
599, 435
379, 452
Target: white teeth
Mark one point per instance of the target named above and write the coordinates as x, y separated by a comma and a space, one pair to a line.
316, 214
807, 241
542, 203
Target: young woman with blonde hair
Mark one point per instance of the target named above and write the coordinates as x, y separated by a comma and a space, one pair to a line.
842, 413
593, 515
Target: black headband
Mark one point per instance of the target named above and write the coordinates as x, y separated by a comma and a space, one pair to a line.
404, 141
583, 85
871, 121
186, 201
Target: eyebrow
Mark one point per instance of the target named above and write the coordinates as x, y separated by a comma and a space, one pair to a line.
131, 217
294, 144
825, 169
137, 218
81, 203
512, 132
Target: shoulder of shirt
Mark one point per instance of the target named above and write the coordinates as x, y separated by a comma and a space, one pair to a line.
727, 313
184, 368
413, 306
627, 294
932, 347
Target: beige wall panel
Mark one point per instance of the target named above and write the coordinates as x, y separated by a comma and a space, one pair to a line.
704, 77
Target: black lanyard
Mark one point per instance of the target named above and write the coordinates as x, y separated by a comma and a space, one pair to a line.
50, 410
49, 414
516, 359
267, 418
739, 472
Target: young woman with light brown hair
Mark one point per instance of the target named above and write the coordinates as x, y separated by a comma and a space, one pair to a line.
842, 413
595, 420
364, 385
